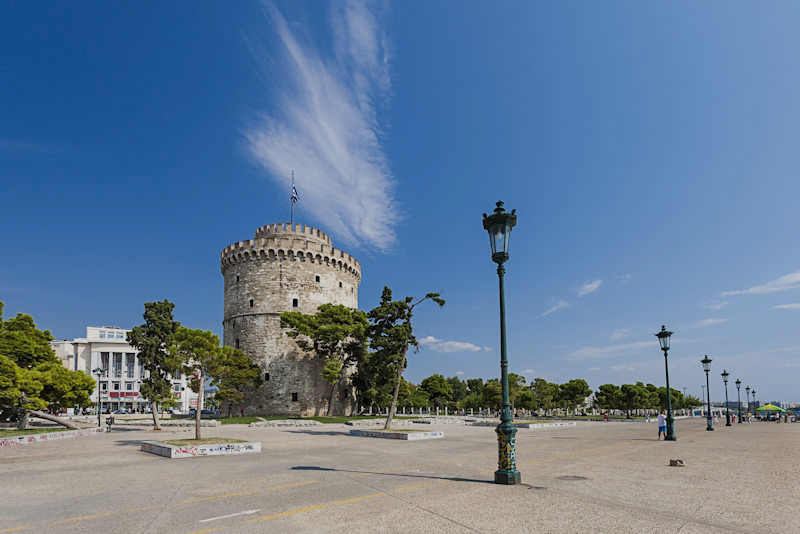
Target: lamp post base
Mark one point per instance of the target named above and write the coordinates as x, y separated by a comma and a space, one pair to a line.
727, 420
507, 477
670, 438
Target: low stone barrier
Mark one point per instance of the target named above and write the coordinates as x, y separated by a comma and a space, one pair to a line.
377, 422
532, 426
409, 436
284, 423
192, 451
170, 423
48, 436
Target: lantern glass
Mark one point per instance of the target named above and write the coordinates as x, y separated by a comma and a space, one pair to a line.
499, 237
664, 337
725, 375
706, 364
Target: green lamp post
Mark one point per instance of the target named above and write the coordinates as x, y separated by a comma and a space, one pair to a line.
747, 397
739, 399
755, 405
663, 339
706, 361
725, 375
499, 225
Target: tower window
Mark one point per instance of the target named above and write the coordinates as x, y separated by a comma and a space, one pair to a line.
340, 284
316, 278
237, 278
251, 303
295, 303
237, 343
294, 396
266, 377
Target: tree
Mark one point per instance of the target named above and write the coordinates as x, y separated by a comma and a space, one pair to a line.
574, 393
459, 388
198, 351
515, 384
690, 401
31, 376
439, 390
336, 334
152, 340
526, 400
233, 374
546, 394
608, 397
633, 396
493, 393
391, 333
475, 385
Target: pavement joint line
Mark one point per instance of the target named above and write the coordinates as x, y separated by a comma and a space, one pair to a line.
15, 529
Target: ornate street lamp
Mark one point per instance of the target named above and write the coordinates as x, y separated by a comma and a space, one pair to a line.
725, 375
499, 225
755, 406
99, 371
706, 361
663, 340
739, 399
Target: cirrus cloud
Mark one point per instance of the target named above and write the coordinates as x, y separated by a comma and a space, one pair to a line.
589, 287
783, 283
440, 345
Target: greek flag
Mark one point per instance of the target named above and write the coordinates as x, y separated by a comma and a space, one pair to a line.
295, 196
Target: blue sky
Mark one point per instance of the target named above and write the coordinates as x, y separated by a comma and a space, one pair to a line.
650, 150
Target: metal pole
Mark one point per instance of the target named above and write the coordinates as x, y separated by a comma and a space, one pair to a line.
670, 421
98, 399
709, 426
739, 401
727, 408
506, 432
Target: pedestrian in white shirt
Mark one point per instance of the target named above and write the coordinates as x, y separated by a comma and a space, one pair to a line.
662, 425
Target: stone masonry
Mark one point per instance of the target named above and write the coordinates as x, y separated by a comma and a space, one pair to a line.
285, 268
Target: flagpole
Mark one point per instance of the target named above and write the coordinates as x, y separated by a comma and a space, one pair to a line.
291, 202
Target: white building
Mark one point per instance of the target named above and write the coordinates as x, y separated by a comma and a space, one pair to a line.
105, 347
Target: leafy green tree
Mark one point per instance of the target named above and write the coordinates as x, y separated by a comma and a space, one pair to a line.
234, 374
546, 394
459, 388
336, 334
473, 401
475, 385
526, 400
608, 397
574, 393
633, 396
493, 394
690, 401
391, 333
31, 376
152, 340
439, 390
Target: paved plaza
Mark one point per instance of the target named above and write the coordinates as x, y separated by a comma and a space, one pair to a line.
595, 477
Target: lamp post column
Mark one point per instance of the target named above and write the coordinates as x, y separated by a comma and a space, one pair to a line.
670, 420
725, 375
739, 400
506, 432
709, 425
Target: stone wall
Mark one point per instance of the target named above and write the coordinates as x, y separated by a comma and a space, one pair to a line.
285, 269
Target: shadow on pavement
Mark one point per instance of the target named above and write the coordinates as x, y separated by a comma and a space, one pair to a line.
432, 477
128, 442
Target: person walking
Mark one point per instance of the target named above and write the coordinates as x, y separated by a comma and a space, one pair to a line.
662, 424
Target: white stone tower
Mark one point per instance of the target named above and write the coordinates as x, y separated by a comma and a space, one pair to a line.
285, 268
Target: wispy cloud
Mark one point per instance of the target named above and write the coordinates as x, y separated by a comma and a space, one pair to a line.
619, 333
529, 372
560, 305
716, 306
459, 373
625, 278
784, 283
589, 287
440, 345
707, 322
624, 367
326, 125
596, 352
794, 306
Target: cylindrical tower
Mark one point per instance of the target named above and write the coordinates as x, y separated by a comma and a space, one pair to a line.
285, 268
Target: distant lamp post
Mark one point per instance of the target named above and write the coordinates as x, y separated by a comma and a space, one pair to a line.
663, 339
706, 361
739, 399
499, 225
755, 406
747, 397
100, 372
725, 376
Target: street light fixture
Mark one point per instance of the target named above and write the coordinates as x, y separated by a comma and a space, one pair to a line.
99, 371
754, 400
706, 361
499, 225
725, 375
747, 397
663, 339
739, 399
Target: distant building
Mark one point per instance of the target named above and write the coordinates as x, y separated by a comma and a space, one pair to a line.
105, 347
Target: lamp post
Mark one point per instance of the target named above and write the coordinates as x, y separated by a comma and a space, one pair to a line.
684, 401
706, 361
739, 399
663, 340
755, 406
99, 371
499, 225
725, 375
